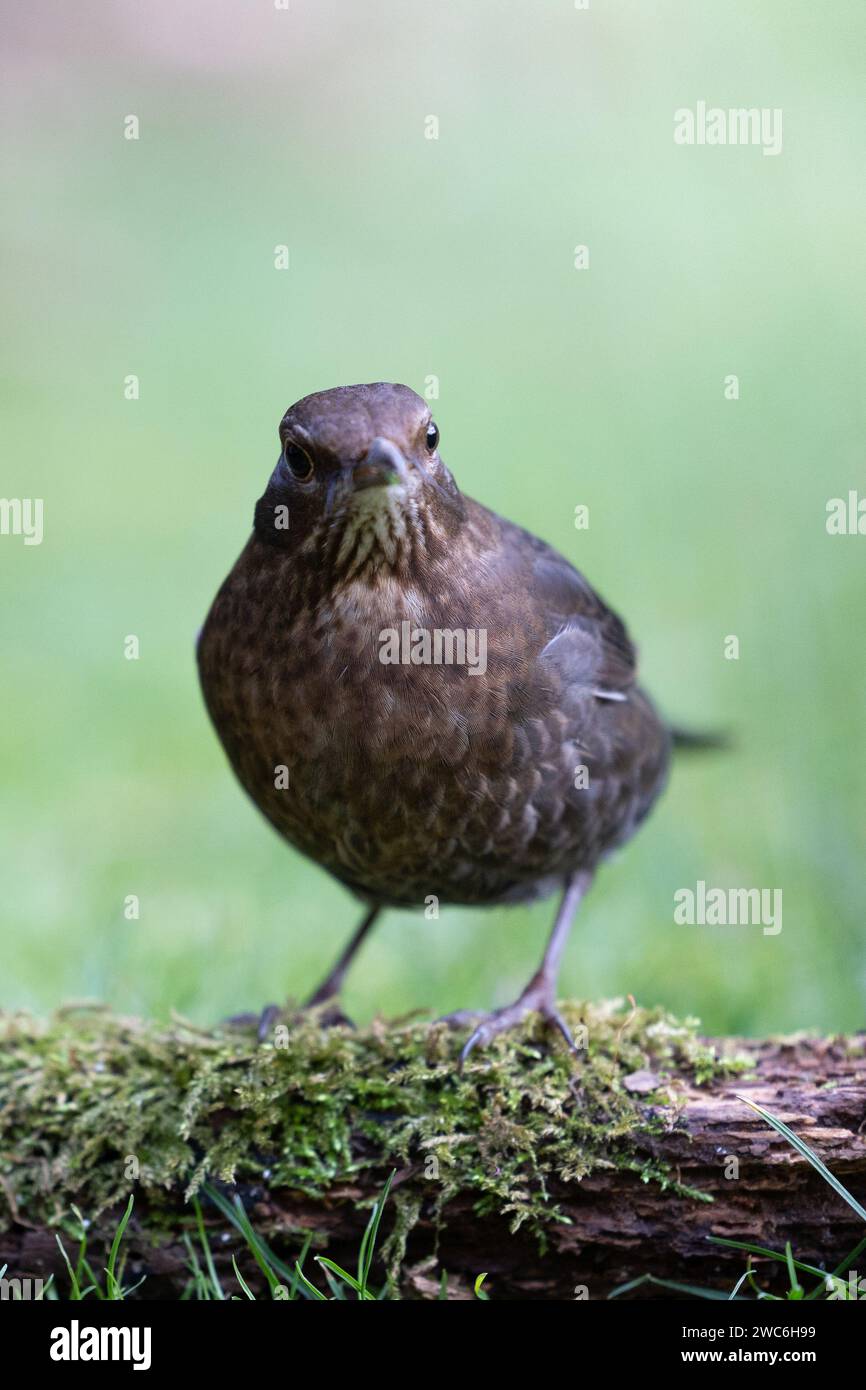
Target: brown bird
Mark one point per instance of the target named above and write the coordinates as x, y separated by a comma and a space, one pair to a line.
422, 697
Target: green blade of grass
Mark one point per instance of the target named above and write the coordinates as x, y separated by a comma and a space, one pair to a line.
803, 1148
200, 1285
294, 1282
767, 1254
124, 1293
691, 1289
341, 1274
235, 1213
75, 1288
206, 1250
840, 1269
368, 1243
311, 1288
241, 1280
795, 1291
732, 1297
338, 1294
94, 1284
115, 1292
239, 1219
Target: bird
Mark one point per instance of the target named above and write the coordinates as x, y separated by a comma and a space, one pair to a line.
421, 696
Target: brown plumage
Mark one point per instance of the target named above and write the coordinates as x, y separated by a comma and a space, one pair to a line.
411, 780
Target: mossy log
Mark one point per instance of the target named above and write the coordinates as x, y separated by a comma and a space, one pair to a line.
558, 1176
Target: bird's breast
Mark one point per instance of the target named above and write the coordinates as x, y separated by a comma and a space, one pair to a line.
407, 741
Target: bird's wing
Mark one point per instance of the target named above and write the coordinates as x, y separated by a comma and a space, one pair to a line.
585, 633
580, 636
569, 628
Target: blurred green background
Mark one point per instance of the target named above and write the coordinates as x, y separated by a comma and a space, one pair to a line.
413, 257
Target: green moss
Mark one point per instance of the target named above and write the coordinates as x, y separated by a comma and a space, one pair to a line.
93, 1106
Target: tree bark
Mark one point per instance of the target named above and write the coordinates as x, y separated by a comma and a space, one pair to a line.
618, 1228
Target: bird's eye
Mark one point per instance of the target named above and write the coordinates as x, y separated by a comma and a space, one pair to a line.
432, 436
299, 463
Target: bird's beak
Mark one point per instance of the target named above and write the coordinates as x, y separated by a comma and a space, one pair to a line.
382, 464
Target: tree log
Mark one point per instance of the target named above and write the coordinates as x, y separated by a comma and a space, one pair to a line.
557, 1176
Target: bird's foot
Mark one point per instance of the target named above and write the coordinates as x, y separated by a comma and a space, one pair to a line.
273, 1015
331, 1016
536, 998
260, 1023
461, 1018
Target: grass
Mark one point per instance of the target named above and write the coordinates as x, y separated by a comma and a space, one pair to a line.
85, 1096
281, 1282
284, 1282
92, 1105
830, 1286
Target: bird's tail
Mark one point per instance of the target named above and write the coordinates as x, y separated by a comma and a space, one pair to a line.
700, 740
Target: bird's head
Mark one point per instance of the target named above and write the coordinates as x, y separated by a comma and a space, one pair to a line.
359, 484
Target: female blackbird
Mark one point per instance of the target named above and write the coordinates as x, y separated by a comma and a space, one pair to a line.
421, 696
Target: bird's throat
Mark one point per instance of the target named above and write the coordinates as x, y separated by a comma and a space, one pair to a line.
380, 530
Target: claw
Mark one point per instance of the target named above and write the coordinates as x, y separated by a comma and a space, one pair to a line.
554, 1017
268, 1016
501, 1020
461, 1018
540, 994
263, 1023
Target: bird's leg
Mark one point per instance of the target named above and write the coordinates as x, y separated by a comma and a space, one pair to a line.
329, 987
333, 982
540, 994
